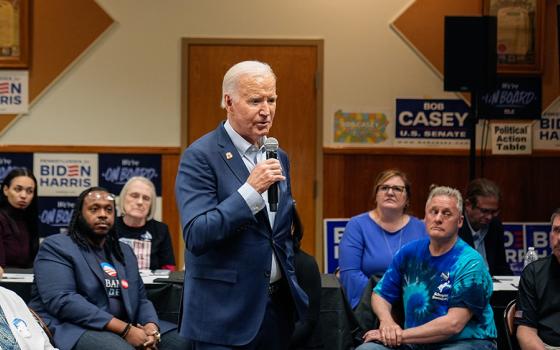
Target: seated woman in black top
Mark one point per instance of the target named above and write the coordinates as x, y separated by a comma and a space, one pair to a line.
19, 239
137, 227
306, 333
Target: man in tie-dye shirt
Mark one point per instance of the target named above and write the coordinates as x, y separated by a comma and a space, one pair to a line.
443, 283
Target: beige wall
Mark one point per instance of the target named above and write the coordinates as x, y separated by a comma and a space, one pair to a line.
129, 79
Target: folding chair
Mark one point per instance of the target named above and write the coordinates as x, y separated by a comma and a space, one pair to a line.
510, 327
42, 324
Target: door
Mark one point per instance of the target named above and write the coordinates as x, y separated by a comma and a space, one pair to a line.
297, 125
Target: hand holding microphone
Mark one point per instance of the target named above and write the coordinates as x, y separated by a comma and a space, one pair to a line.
266, 174
271, 148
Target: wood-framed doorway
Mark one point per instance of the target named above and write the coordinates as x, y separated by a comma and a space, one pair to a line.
298, 125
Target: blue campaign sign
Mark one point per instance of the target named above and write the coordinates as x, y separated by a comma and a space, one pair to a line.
333, 231
518, 236
431, 119
514, 236
514, 97
55, 214
116, 169
537, 235
9, 161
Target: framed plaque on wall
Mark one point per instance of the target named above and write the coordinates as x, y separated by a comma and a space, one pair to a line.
14, 34
520, 34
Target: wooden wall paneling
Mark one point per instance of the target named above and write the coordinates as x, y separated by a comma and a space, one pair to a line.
333, 180
422, 172
170, 214
511, 176
529, 192
527, 182
551, 69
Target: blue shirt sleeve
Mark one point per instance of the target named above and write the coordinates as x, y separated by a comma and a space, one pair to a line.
254, 200
390, 286
351, 254
472, 287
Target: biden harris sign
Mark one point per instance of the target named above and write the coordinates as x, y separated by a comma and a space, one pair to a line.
64, 174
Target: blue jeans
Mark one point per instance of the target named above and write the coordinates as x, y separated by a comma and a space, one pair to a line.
466, 344
103, 340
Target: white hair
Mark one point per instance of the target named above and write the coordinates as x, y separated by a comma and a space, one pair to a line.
126, 188
446, 192
233, 75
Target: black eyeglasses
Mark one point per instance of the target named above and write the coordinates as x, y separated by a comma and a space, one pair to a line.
396, 189
488, 211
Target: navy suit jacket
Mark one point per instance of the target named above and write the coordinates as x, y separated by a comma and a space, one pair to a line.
493, 244
228, 249
69, 290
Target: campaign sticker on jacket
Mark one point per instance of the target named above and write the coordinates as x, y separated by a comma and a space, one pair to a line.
109, 269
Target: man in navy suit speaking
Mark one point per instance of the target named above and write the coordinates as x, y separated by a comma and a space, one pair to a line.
240, 286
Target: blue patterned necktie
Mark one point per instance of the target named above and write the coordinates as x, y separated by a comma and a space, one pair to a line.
7, 339
475, 238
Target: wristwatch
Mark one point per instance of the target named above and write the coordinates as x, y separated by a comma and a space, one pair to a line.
157, 335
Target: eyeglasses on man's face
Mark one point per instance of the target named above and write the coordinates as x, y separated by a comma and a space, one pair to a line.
96, 195
396, 189
489, 211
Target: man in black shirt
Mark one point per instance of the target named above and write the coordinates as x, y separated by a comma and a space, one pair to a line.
538, 305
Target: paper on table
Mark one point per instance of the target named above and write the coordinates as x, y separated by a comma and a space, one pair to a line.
17, 277
506, 283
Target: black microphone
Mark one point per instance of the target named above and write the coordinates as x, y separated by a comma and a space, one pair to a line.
271, 148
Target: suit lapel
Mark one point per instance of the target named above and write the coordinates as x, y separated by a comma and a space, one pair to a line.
121, 275
262, 217
467, 233
230, 155
233, 160
282, 197
93, 264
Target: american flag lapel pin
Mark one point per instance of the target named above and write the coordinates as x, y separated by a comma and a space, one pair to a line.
229, 155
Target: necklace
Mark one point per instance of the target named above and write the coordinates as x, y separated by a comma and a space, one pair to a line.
374, 216
393, 251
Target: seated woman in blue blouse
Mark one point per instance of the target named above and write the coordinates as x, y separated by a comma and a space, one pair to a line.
371, 239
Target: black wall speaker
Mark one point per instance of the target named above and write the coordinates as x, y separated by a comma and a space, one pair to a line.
469, 53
